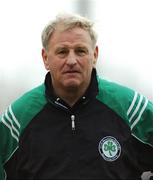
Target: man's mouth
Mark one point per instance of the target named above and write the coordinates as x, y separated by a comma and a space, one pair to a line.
71, 72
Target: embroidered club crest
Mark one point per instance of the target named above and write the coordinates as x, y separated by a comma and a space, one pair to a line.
109, 148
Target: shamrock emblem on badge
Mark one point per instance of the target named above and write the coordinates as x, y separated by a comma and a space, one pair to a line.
109, 148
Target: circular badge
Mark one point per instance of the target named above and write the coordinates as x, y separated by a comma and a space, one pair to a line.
109, 148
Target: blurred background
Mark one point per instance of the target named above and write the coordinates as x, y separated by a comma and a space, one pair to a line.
125, 29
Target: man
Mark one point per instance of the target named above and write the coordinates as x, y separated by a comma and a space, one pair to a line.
76, 125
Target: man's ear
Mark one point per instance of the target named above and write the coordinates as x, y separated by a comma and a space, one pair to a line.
45, 58
95, 56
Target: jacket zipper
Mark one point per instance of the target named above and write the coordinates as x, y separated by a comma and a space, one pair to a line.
73, 122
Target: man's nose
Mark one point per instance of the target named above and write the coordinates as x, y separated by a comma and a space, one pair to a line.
71, 58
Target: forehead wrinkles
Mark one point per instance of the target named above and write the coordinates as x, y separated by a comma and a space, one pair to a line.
71, 45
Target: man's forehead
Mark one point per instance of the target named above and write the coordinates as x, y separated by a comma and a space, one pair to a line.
75, 35
76, 45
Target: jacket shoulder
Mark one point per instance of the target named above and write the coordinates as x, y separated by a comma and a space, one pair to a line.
27, 106
134, 108
15, 119
115, 96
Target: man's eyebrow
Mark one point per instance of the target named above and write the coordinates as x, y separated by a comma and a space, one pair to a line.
82, 47
60, 48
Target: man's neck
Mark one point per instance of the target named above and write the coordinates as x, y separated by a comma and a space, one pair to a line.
70, 96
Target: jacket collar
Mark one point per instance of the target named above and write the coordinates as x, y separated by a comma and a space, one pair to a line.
90, 93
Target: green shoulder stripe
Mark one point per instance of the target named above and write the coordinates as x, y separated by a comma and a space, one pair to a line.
28, 105
135, 109
116, 97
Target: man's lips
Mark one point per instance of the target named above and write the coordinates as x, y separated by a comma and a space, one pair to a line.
71, 72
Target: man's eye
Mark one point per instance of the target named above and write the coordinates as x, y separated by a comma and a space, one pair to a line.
81, 52
62, 52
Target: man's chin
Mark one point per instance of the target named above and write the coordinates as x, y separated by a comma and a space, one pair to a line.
72, 86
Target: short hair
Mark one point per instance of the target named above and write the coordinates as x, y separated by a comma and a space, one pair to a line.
68, 21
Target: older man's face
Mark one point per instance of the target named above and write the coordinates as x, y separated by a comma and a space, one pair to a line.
70, 58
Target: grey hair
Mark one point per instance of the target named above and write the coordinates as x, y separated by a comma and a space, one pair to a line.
68, 21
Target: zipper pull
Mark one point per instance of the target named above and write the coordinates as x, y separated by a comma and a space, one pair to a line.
73, 122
